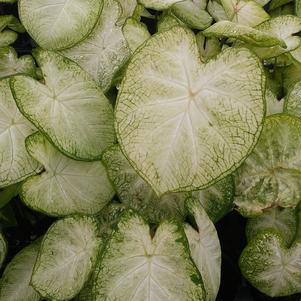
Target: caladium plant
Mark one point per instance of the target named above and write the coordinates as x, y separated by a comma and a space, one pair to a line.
136, 126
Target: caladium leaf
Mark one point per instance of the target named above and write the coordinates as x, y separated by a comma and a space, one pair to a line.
270, 267
16, 165
66, 258
15, 282
10, 64
243, 33
183, 124
66, 186
270, 176
217, 200
283, 221
292, 103
159, 267
243, 12
216, 10
3, 249
69, 108
135, 33
205, 248
167, 21
128, 8
158, 4
274, 106
105, 50
61, 24
137, 194
7, 36
192, 13
208, 47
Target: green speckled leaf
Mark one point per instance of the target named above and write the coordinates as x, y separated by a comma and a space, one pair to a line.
183, 124
58, 25
105, 50
70, 109
292, 103
205, 248
15, 282
137, 194
270, 176
270, 267
242, 32
282, 220
66, 186
66, 258
10, 64
3, 249
217, 199
16, 165
248, 13
136, 266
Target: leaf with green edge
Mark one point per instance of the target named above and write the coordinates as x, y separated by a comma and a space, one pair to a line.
137, 194
192, 13
216, 10
10, 64
69, 108
66, 186
208, 47
66, 258
105, 50
59, 25
135, 33
158, 4
205, 248
159, 266
284, 221
15, 163
9, 192
15, 282
243, 33
185, 125
292, 104
248, 13
167, 21
217, 200
284, 28
270, 267
270, 176
3, 250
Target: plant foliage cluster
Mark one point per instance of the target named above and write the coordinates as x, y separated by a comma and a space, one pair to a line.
137, 143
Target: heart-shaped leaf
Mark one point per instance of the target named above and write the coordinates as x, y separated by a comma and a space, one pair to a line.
15, 282
57, 25
69, 108
270, 267
15, 163
66, 186
66, 258
159, 267
182, 124
271, 176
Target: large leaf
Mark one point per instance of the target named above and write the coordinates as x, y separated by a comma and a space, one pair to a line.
66, 186
69, 108
205, 248
182, 124
217, 200
15, 163
10, 64
270, 267
15, 282
105, 50
282, 220
66, 258
137, 194
271, 176
57, 25
3, 249
136, 266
